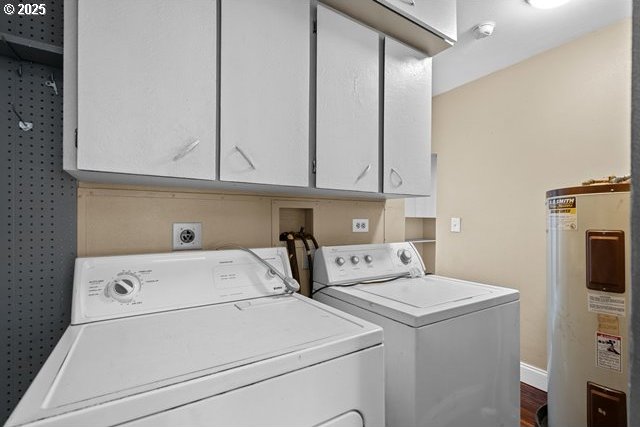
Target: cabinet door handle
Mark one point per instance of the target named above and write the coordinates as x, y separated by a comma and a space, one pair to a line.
393, 170
243, 154
186, 150
409, 2
364, 172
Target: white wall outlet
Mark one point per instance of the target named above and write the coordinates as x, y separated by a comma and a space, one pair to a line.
187, 235
456, 225
360, 225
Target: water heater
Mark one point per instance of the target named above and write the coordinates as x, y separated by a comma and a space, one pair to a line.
588, 279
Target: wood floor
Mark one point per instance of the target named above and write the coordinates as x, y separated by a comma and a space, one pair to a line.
530, 400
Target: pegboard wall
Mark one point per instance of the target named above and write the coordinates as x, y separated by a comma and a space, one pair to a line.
47, 28
38, 212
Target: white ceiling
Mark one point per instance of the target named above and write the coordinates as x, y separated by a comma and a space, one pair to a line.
521, 32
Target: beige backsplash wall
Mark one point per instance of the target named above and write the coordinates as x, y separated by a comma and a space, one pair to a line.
552, 121
116, 220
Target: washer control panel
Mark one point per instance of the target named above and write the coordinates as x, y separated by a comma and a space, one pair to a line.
405, 256
112, 287
353, 263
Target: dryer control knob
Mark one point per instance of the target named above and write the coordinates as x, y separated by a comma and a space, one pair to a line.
368, 259
355, 259
123, 288
405, 256
340, 261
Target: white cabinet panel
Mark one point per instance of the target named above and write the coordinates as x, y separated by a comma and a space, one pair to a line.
424, 207
147, 87
438, 15
264, 91
347, 140
407, 120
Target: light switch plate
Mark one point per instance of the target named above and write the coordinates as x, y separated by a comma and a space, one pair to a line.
456, 225
187, 235
360, 225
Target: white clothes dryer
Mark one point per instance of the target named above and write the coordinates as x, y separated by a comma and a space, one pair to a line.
452, 352
204, 338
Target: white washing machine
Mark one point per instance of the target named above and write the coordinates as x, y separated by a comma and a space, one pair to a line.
204, 338
452, 352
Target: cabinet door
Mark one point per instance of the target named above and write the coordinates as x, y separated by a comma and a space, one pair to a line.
347, 141
147, 87
438, 15
407, 120
264, 91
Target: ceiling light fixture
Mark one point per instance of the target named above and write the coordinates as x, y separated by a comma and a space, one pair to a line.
546, 4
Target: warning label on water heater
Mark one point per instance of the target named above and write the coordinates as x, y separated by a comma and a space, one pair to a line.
563, 213
607, 304
609, 351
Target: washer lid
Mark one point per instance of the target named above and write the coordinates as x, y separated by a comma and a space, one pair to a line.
423, 300
228, 346
426, 293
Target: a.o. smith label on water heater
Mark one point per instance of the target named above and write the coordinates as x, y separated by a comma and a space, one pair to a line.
609, 351
605, 303
563, 213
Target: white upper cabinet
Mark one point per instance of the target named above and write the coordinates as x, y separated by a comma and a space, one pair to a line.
264, 91
146, 79
347, 110
436, 15
427, 25
324, 106
407, 120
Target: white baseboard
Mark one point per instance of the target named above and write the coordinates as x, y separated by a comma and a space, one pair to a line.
533, 376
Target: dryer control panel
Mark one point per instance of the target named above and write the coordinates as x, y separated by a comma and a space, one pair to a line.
335, 265
121, 286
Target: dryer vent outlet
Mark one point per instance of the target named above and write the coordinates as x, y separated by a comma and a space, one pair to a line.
187, 235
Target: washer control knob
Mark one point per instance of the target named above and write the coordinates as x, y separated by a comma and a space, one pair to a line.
355, 259
405, 256
123, 288
340, 261
368, 259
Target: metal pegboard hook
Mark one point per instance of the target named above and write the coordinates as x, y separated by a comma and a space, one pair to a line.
52, 84
25, 126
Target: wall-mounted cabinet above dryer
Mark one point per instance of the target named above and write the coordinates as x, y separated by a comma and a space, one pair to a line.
264, 91
136, 111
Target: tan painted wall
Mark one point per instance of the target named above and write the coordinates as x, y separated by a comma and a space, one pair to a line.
552, 121
116, 220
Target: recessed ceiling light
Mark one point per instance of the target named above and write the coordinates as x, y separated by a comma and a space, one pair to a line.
546, 4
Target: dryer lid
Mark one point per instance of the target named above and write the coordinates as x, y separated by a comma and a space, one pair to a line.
236, 343
423, 300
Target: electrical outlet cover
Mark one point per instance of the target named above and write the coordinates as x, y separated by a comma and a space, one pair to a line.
187, 235
360, 225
